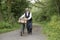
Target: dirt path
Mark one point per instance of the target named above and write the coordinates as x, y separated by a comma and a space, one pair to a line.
15, 35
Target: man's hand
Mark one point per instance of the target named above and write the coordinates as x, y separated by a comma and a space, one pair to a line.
24, 20
19, 20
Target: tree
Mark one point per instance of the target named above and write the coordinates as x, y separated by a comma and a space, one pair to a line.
9, 9
18, 7
0, 11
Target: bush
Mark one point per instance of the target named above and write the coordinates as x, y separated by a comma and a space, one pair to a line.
8, 25
52, 28
5, 25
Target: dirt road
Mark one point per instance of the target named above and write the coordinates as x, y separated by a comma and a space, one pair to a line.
15, 35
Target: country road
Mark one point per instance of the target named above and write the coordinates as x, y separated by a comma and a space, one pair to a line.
15, 35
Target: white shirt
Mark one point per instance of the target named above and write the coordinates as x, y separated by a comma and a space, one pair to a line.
27, 15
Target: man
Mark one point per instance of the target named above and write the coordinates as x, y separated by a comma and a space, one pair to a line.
27, 15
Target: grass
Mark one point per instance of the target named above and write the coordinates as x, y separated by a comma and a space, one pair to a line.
7, 27
52, 28
8, 30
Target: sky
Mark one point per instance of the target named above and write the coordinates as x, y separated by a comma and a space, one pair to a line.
32, 1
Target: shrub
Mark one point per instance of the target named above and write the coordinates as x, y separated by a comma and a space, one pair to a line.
5, 25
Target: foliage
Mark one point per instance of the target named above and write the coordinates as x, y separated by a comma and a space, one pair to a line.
45, 12
10, 11
6, 26
18, 7
52, 28
49, 17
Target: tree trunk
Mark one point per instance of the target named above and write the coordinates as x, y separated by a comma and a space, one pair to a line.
1, 18
9, 9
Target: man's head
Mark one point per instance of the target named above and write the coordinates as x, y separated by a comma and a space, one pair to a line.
27, 9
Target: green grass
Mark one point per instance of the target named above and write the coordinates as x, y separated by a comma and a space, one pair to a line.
7, 27
52, 28
6, 30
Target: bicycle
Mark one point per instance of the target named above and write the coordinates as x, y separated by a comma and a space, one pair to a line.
22, 21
